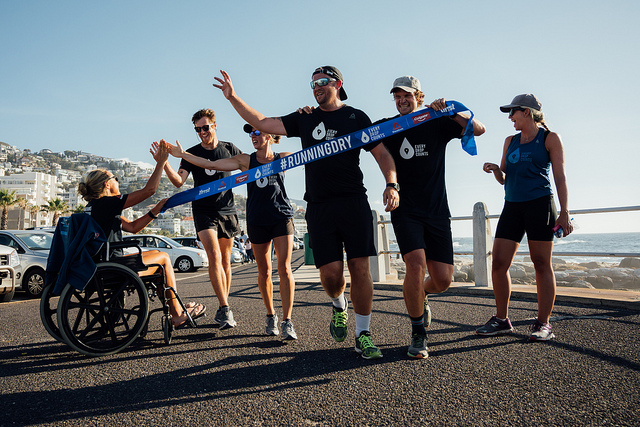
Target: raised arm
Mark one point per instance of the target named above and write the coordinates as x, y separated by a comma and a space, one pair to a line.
554, 145
176, 178
256, 119
391, 196
461, 118
160, 155
240, 161
140, 223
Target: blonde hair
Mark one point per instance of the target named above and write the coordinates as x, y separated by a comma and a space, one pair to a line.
92, 184
538, 117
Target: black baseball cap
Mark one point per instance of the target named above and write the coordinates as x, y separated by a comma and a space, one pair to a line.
336, 74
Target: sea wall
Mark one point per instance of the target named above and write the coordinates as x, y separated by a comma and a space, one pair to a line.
624, 275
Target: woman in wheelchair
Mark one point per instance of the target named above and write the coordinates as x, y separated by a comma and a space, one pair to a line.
101, 189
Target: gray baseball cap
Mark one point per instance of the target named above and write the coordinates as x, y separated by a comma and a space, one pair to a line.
527, 100
406, 83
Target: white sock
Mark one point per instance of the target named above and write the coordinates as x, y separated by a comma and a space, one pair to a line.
362, 323
340, 301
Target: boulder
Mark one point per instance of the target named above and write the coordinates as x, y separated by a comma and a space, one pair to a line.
580, 284
600, 282
630, 263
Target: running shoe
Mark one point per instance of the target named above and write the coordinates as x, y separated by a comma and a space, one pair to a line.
541, 331
224, 317
338, 325
366, 348
418, 348
495, 326
288, 333
272, 326
427, 312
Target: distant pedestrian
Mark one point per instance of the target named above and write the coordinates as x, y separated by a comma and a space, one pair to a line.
527, 158
249, 250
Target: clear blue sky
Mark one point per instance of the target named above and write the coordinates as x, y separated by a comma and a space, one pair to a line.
112, 77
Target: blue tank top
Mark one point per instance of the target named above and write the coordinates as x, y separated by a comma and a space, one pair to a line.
528, 166
267, 201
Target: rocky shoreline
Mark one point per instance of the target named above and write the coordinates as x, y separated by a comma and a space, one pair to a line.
623, 276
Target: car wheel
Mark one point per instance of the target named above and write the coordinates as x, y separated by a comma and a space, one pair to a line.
184, 264
33, 283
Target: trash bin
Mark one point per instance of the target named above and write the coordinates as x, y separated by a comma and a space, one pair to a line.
308, 253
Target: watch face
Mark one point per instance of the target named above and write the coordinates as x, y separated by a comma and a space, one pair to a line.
394, 185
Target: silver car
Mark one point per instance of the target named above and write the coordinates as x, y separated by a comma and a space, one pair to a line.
33, 248
8, 262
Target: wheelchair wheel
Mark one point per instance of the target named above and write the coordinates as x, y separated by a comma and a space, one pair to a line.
167, 328
108, 315
48, 314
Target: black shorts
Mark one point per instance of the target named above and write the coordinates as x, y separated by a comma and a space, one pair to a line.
338, 224
265, 233
434, 236
225, 225
535, 217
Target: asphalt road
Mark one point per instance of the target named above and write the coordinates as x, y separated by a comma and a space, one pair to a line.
588, 375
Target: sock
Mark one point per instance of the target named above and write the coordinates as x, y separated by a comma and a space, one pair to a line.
340, 302
417, 325
362, 323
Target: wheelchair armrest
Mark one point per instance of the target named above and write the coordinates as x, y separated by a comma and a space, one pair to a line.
121, 245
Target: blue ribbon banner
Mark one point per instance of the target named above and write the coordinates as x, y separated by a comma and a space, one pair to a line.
329, 148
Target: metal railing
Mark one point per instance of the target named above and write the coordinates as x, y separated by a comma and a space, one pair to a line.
482, 243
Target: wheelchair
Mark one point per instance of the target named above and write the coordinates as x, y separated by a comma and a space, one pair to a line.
113, 309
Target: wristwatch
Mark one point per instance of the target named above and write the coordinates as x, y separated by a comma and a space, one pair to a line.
394, 185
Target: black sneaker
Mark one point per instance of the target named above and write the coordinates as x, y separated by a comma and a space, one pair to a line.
495, 326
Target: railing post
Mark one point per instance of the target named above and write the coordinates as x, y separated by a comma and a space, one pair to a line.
376, 262
482, 243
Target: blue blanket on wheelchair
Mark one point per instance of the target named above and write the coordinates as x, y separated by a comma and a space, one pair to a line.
76, 241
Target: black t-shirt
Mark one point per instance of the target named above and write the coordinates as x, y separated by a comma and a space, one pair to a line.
337, 176
220, 203
106, 212
267, 201
419, 155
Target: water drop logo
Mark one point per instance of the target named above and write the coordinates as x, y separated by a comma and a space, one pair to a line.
319, 132
257, 175
364, 138
515, 156
262, 182
406, 150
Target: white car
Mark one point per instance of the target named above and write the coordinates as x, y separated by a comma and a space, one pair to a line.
8, 261
33, 250
182, 257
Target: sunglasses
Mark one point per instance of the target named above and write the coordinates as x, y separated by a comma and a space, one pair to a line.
114, 177
513, 111
255, 133
321, 82
203, 128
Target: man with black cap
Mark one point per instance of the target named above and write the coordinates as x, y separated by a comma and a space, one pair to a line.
422, 221
338, 213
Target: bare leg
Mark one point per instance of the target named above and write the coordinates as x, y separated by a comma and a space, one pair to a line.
504, 251
284, 248
217, 275
545, 278
262, 253
413, 287
361, 285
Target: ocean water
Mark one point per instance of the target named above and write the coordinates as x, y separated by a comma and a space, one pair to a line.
575, 242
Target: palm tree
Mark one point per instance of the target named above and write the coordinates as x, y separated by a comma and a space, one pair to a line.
57, 206
22, 203
33, 215
79, 209
7, 198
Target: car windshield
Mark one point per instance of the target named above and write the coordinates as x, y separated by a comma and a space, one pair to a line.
172, 242
37, 241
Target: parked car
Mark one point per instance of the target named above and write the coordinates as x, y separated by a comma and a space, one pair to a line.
8, 262
299, 242
33, 248
183, 258
236, 255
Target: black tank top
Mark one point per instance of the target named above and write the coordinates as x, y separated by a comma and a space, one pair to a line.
267, 201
